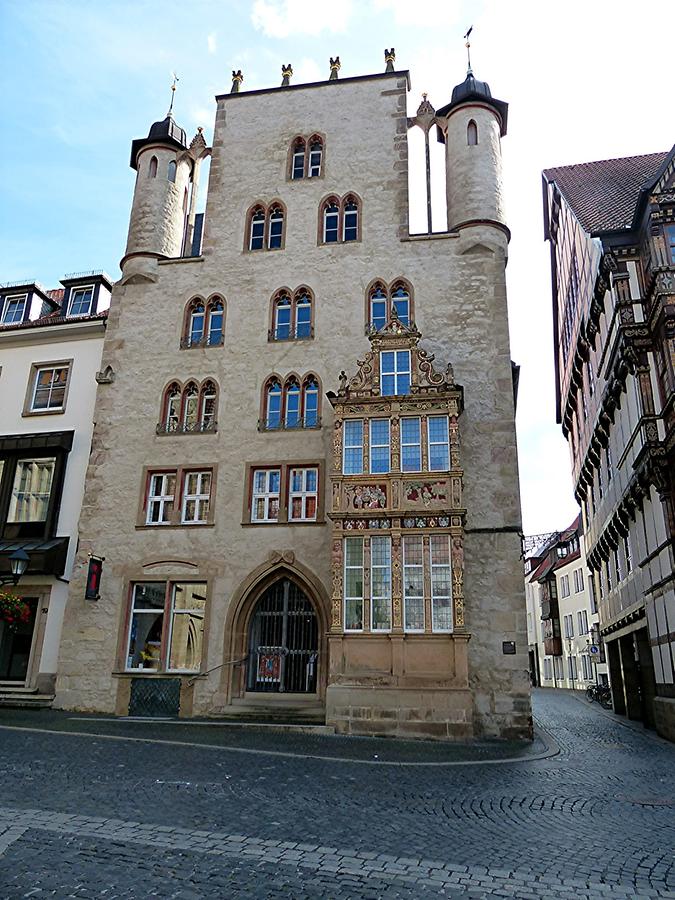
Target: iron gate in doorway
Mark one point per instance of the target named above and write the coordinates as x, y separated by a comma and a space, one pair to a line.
283, 642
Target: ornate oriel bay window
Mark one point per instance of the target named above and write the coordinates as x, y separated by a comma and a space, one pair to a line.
398, 518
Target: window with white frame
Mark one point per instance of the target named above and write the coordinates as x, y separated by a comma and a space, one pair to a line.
582, 621
548, 669
298, 163
413, 583
441, 584
578, 580
379, 446
331, 223
257, 230
160, 498
315, 154
380, 583
81, 300
565, 586
352, 451
394, 372
14, 309
351, 220
586, 667
266, 488
439, 443
166, 626
558, 668
572, 668
353, 583
49, 388
568, 624
411, 445
303, 495
196, 498
31, 490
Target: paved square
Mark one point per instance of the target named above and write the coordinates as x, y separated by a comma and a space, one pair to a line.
100, 815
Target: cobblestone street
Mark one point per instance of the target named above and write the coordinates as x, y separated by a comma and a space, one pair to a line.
590, 813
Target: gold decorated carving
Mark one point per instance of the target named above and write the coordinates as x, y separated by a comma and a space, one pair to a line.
457, 564
395, 443
337, 446
396, 584
336, 593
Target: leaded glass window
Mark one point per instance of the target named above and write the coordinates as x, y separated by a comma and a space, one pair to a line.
353, 584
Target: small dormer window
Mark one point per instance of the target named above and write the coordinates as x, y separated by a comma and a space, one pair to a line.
81, 301
394, 372
14, 309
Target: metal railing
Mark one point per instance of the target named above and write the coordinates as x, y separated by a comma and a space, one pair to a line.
187, 343
186, 427
266, 425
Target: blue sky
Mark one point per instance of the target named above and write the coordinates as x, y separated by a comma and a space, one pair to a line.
81, 78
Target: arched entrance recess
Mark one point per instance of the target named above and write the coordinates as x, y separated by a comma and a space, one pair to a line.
242, 610
283, 646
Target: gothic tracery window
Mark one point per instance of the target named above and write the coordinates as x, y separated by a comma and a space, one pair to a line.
383, 300
306, 157
295, 403
292, 316
204, 324
340, 219
265, 227
189, 408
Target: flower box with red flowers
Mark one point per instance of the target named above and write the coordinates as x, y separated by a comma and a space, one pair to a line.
13, 610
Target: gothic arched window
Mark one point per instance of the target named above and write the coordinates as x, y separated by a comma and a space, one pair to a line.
171, 407
472, 134
331, 221
152, 170
303, 314
298, 159
171, 172
382, 301
350, 213
315, 156
257, 229
208, 401
310, 402
339, 219
379, 307
197, 322
400, 301
190, 416
276, 228
283, 317
292, 414
273, 396
216, 322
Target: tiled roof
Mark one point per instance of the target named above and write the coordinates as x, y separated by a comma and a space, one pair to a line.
603, 194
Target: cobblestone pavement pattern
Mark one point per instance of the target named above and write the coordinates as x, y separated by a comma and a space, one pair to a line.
85, 816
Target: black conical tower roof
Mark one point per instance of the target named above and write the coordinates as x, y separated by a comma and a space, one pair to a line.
471, 90
164, 132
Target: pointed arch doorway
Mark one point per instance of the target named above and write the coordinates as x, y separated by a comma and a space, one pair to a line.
283, 641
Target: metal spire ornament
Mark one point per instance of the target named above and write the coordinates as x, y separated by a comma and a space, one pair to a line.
173, 93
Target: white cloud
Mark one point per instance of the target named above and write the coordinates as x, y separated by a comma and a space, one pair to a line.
211, 42
308, 70
425, 13
281, 18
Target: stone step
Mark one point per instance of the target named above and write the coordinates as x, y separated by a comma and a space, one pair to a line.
15, 700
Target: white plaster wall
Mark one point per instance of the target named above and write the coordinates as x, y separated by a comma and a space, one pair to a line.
16, 359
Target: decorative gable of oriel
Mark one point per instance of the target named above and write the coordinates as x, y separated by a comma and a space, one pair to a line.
431, 393
425, 381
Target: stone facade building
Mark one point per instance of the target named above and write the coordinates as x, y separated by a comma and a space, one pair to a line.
50, 353
611, 225
308, 451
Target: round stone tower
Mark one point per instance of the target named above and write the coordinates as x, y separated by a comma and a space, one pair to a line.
473, 124
161, 196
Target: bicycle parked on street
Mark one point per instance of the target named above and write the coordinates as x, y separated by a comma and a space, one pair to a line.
601, 693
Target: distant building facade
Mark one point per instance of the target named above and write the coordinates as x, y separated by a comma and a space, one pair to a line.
565, 646
307, 454
611, 227
50, 353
